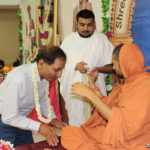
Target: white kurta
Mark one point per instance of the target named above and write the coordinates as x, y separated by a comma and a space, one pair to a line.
95, 51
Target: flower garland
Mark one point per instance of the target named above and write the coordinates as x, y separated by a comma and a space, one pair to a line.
88, 106
37, 103
20, 36
45, 17
106, 11
32, 55
6, 145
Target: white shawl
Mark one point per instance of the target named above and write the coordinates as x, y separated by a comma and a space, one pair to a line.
95, 51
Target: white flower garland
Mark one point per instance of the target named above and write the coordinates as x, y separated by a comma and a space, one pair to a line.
8, 144
37, 103
32, 55
88, 106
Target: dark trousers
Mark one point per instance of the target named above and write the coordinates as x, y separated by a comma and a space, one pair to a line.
14, 135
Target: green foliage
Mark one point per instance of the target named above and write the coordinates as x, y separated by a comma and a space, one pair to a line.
106, 20
105, 6
106, 26
20, 36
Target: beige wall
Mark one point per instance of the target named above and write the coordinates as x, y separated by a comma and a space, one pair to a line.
9, 45
65, 15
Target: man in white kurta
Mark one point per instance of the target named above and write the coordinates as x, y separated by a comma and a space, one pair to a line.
84, 46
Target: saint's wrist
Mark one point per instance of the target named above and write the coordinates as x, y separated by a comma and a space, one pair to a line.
94, 89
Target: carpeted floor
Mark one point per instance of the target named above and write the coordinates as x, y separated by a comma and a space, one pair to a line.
40, 146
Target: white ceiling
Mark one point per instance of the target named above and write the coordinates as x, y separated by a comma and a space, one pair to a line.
9, 2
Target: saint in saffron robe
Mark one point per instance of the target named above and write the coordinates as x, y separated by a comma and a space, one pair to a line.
129, 125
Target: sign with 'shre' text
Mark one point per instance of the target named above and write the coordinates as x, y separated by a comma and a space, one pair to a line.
121, 19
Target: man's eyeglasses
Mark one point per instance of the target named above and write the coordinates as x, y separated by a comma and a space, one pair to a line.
57, 70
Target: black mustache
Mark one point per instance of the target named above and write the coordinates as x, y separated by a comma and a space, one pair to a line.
86, 31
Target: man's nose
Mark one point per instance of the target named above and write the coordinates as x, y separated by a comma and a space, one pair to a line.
85, 27
59, 74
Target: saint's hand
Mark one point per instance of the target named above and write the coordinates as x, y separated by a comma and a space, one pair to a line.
81, 67
92, 77
81, 89
49, 134
57, 123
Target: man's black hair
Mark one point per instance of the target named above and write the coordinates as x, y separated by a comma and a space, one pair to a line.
86, 14
2, 64
49, 55
16, 63
116, 51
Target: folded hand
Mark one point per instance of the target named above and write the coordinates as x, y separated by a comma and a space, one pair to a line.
49, 134
57, 123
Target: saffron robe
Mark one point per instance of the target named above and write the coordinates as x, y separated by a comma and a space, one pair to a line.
129, 125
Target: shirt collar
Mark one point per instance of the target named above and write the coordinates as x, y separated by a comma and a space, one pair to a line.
37, 74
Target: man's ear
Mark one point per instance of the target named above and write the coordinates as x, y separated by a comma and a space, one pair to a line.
41, 62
